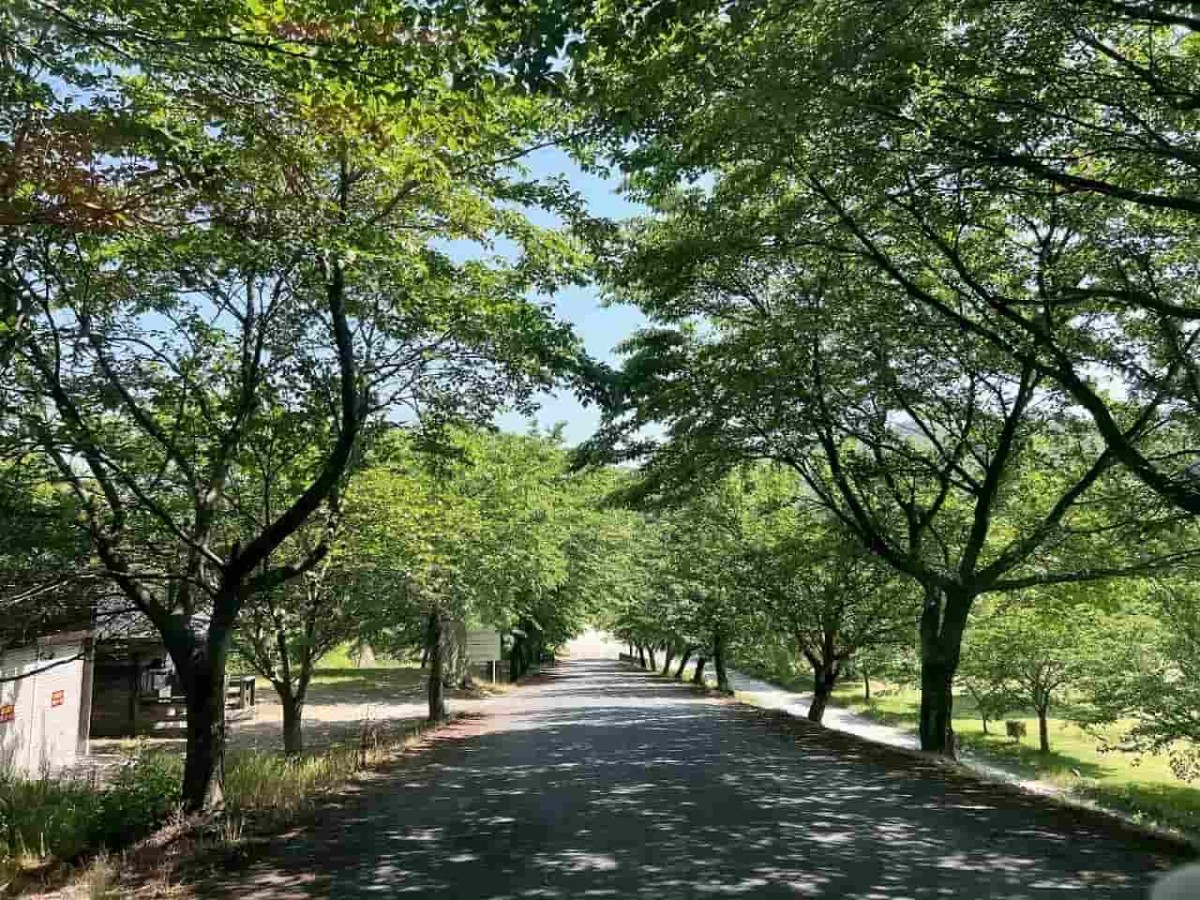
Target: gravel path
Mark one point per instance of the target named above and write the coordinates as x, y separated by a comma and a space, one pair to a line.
599, 780
383, 701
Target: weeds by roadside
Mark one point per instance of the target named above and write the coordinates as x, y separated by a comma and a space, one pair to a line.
50, 821
86, 835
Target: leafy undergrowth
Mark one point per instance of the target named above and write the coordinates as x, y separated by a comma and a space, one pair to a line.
58, 820
1141, 786
51, 827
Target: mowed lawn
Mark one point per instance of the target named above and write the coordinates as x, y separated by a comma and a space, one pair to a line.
1141, 785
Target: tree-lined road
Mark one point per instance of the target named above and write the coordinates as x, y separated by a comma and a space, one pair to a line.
600, 780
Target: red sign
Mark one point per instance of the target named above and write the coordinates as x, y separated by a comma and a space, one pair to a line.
8, 712
56, 699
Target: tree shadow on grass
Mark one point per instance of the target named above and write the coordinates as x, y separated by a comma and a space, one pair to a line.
1173, 805
1029, 761
1025, 760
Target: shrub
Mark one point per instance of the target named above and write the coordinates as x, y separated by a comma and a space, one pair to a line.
65, 817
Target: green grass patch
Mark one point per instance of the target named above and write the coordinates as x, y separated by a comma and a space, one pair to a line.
272, 782
1140, 785
342, 657
1174, 805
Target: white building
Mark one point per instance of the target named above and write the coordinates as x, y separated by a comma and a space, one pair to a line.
45, 703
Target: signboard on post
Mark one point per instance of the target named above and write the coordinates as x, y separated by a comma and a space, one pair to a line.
483, 644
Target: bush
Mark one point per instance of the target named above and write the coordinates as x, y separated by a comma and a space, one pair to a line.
257, 781
62, 819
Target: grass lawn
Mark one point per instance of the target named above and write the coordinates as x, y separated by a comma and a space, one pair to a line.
399, 683
1142, 786
340, 658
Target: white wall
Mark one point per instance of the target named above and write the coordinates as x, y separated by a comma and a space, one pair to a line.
44, 733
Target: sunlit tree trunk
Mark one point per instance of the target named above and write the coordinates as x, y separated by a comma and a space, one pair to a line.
437, 686
293, 717
824, 678
1043, 714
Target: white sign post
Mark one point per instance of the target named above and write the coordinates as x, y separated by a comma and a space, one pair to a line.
483, 645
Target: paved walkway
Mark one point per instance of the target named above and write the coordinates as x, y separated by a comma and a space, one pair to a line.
770, 696
603, 781
796, 703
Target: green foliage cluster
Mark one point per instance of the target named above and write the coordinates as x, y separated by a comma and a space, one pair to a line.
64, 818
749, 568
226, 261
938, 259
921, 366
493, 531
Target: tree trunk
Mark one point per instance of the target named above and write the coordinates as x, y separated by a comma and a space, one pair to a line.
670, 655
941, 645
437, 687
683, 661
824, 678
201, 666
698, 675
293, 699
653, 662
1043, 729
984, 720
293, 715
866, 687
719, 660
449, 660
641, 656
937, 703
516, 660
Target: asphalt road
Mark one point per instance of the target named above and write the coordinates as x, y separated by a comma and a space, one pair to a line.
603, 781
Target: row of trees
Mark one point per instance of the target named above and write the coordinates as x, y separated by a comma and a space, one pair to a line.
224, 268
935, 261
732, 567
754, 570
935, 258
491, 531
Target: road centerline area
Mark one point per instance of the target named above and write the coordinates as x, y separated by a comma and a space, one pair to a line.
602, 780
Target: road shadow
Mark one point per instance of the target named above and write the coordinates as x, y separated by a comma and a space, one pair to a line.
603, 781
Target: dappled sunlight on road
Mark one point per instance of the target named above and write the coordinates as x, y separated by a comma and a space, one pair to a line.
603, 781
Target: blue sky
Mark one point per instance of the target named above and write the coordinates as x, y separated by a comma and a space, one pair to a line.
600, 328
